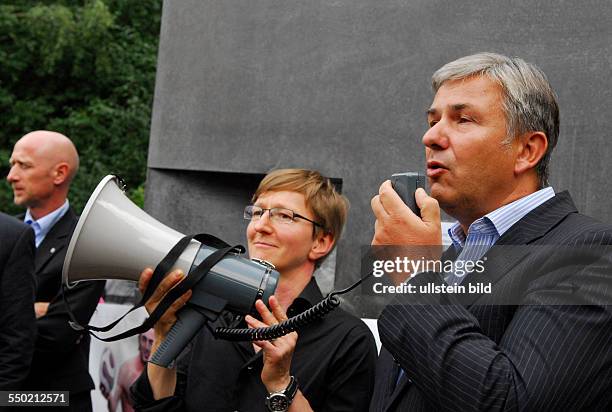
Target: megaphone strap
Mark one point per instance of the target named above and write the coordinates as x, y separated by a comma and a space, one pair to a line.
160, 271
213, 241
189, 282
166, 263
163, 267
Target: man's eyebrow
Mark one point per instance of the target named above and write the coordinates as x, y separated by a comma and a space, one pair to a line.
20, 161
460, 106
432, 111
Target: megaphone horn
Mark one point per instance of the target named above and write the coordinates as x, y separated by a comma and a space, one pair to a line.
115, 239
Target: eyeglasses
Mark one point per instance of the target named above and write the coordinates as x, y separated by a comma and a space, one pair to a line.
277, 214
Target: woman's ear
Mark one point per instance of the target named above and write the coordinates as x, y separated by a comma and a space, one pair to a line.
322, 244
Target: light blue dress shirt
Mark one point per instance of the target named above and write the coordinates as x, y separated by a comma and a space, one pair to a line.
43, 225
484, 232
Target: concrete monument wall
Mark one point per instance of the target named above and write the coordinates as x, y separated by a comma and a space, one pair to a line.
246, 86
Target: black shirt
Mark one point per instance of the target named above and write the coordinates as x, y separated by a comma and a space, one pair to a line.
334, 363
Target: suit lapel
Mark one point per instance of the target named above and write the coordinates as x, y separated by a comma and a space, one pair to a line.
501, 260
539, 221
56, 240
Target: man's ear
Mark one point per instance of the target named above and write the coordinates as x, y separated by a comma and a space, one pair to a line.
61, 172
531, 149
322, 244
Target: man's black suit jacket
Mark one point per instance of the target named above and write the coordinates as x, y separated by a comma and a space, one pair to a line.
17, 322
61, 356
541, 354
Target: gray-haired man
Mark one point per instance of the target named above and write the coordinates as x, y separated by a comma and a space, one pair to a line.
493, 123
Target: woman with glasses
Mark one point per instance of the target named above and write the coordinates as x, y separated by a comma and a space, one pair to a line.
294, 221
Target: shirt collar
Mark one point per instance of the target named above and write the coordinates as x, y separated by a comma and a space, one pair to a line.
309, 296
46, 222
503, 218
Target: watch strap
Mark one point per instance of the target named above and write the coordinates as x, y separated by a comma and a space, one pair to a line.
292, 388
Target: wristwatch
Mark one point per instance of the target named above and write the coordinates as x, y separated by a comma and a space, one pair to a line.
280, 401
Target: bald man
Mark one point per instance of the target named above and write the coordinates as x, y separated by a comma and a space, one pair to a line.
43, 164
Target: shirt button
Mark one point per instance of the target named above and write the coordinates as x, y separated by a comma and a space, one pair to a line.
250, 368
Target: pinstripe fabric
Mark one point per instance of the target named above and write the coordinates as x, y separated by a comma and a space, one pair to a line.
499, 220
480, 355
484, 232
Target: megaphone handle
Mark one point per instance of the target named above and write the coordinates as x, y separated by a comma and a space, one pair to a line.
189, 322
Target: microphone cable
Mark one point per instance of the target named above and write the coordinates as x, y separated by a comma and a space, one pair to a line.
329, 303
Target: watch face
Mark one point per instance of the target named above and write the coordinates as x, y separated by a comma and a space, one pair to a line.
278, 402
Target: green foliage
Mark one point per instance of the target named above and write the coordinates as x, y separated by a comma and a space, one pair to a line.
85, 69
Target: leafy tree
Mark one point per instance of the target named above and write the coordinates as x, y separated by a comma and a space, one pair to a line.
85, 69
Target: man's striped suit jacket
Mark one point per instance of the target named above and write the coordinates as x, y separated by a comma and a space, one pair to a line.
542, 340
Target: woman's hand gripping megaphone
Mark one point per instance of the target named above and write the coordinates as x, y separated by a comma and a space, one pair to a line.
162, 380
168, 319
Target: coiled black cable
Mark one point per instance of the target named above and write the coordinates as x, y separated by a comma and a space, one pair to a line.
287, 326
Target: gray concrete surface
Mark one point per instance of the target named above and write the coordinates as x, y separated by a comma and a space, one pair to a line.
246, 86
